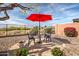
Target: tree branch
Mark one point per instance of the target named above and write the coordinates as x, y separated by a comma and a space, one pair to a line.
4, 18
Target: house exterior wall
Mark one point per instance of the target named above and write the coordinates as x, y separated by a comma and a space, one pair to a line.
59, 28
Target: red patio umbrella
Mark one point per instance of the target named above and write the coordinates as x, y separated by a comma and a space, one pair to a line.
39, 18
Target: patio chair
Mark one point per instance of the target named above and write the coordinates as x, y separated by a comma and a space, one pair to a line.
31, 38
47, 37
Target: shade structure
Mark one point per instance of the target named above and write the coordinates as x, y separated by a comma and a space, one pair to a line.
39, 18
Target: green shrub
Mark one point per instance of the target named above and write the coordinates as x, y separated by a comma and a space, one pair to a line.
27, 28
34, 31
70, 32
22, 52
48, 30
57, 52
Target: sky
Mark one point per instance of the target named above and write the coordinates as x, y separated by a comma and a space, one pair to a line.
61, 13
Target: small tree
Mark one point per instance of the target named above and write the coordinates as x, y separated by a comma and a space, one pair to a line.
76, 20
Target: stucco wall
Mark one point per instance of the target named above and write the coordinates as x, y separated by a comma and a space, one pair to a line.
59, 28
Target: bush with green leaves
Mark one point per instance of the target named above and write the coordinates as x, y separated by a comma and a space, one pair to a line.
22, 52
48, 30
70, 32
57, 52
34, 30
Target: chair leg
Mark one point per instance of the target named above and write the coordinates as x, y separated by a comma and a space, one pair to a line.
46, 39
49, 39
34, 41
28, 42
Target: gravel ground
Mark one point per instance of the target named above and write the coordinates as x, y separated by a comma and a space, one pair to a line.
9, 41
71, 49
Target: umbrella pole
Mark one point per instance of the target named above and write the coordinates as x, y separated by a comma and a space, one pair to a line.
39, 33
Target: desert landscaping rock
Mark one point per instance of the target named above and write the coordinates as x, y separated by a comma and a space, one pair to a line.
69, 47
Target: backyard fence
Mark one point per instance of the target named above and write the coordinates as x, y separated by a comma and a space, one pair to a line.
12, 30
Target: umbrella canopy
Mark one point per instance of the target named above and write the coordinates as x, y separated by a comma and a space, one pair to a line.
39, 17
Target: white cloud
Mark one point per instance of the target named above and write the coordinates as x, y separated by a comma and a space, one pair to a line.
68, 7
11, 21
